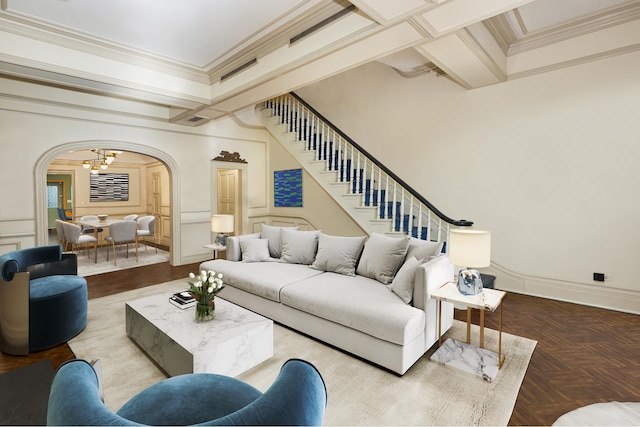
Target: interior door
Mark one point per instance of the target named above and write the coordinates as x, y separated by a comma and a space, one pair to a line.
228, 185
55, 200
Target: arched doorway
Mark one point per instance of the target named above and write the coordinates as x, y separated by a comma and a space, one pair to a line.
41, 182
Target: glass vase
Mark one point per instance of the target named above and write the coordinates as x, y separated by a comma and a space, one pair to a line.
205, 312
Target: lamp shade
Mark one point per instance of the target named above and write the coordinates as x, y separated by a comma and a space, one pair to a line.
221, 223
470, 248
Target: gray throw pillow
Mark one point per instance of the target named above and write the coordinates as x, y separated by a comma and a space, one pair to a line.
273, 235
403, 283
382, 257
299, 247
255, 250
423, 249
338, 254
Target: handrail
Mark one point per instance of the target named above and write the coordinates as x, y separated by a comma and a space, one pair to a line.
459, 223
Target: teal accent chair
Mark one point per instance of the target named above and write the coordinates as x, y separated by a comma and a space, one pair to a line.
298, 396
43, 301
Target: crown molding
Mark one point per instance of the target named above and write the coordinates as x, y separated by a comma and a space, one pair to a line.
510, 43
33, 29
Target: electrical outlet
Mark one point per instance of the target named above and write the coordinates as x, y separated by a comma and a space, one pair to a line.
598, 277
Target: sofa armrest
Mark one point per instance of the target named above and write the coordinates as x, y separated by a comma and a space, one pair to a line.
429, 277
233, 248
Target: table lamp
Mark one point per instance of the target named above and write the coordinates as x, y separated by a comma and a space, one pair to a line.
221, 224
471, 249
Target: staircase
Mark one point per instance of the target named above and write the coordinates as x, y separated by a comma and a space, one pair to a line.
374, 196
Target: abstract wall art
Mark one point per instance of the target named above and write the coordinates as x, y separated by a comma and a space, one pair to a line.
287, 188
109, 187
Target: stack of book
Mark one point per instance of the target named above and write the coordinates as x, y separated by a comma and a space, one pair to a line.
182, 299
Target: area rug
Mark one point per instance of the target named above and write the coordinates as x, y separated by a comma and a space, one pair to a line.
87, 266
24, 394
359, 393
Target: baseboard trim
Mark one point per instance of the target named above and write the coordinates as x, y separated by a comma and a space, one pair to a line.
623, 300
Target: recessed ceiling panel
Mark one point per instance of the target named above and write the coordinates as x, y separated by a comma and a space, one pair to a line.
544, 14
192, 32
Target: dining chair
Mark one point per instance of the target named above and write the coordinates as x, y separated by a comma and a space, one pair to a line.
131, 217
90, 230
73, 235
146, 228
60, 233
122, 232
62, 215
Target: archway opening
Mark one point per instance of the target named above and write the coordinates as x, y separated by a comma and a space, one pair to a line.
64, 158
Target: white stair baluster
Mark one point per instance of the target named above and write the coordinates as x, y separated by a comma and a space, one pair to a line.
379, 193
393, 208
351, 166
410, 218
363, 174
401, 213
419, 233
357, 175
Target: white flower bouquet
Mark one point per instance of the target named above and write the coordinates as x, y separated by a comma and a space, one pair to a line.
205, 286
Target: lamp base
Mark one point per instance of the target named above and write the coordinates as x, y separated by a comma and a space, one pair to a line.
469, 282
221, 239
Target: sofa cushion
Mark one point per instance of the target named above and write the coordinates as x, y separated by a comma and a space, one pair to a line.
234, 252
264, 279
338, 254
299, 247
423, 249
356, 302
403, 283
382, 256
255, 250
273, 234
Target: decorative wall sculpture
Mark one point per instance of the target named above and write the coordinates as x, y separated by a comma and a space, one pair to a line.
287, 188
109, 187
226, 156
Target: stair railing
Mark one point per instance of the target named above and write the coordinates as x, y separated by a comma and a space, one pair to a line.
396, 201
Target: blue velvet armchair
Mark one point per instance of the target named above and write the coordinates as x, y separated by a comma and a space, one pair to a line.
297, 397
43, 302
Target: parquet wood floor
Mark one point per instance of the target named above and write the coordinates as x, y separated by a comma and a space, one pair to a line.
584, 355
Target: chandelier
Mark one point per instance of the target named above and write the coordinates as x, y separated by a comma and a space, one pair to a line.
102, 161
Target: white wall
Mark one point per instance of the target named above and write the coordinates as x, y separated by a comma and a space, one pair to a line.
31, 131
547, 163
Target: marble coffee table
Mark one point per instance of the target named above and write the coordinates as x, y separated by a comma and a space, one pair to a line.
236, 340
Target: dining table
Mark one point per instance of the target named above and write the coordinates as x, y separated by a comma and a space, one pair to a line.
96, 224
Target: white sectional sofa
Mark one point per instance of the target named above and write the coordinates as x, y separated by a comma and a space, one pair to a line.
369, 297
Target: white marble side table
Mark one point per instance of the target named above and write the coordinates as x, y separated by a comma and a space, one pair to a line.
479, 360
215, 248
235, 341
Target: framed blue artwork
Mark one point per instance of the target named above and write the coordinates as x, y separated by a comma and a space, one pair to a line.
287, 188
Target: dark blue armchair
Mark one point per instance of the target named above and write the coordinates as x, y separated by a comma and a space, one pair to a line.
298, 396
43, 302
62, 214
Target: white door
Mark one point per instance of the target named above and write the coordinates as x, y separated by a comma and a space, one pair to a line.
228, 195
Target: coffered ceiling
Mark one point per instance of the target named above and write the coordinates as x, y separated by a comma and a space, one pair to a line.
191, 61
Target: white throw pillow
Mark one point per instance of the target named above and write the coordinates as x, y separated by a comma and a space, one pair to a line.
403, 284
234, 248
273, 235
423, 249
255, 250
299, 247
338, 254
382, 256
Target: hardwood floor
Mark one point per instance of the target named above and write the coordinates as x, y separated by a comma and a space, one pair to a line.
584, 354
